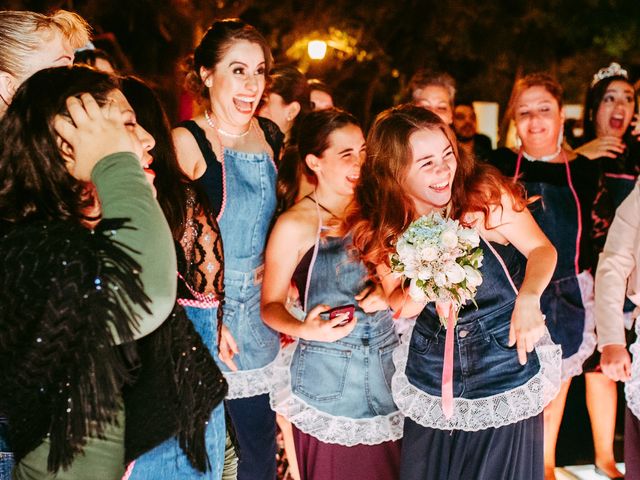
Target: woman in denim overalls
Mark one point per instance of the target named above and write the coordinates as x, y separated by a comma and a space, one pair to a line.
564, 183
333, 384
232, 154
505, 367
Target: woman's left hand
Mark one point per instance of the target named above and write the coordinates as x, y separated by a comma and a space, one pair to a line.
372, 299
527, 325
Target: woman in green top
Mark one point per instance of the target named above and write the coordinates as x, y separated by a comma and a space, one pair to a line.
75, 292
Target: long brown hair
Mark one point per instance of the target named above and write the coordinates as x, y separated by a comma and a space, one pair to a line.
382, 209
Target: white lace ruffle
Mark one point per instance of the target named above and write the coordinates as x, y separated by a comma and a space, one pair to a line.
326, 427
632, 387
472, 415
249, 383
572, 366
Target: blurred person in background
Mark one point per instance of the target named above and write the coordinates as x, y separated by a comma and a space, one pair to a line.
465, 125
435, 91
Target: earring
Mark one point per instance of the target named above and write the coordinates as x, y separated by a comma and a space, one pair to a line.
207, 82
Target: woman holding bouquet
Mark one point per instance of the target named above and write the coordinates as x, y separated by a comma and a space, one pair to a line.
500, 385
333, 384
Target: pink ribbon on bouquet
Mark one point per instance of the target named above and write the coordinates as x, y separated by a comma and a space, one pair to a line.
446, 310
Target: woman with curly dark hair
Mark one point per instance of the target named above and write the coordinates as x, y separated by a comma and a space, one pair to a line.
81, 234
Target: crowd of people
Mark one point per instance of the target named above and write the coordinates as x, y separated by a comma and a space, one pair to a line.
175, 300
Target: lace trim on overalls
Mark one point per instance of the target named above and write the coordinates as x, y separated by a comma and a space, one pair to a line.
632, 387
572, 366
250, 383
495, 411
325, 427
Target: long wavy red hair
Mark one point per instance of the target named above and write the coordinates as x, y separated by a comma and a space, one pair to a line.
382, 210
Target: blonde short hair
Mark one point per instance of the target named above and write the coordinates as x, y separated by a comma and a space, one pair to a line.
22, 33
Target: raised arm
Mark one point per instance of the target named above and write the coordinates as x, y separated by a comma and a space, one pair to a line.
521, 230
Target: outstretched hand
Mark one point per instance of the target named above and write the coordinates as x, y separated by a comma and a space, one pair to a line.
527, 326
315, 328
91, 134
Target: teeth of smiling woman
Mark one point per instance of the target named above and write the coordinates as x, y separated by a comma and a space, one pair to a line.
440, 185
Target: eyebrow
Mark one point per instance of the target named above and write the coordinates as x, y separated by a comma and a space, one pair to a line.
238, 62
615, 90
426, 157
346, 150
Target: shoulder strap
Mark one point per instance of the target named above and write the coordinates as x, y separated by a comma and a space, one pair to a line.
212, 180
273, 135
314, 256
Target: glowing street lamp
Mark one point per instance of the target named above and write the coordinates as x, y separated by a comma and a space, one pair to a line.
317, 49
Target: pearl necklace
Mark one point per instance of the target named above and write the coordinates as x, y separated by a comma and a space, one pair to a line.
224, 132
545, 158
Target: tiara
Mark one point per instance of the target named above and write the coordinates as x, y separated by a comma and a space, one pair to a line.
613, 70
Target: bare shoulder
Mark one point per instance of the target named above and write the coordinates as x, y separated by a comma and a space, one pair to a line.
299, 221
188, 152
501, 215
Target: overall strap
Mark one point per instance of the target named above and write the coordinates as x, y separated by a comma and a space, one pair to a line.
213, 178
314, 256
502, 264
578, 209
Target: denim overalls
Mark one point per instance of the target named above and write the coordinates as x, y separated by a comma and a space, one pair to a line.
490, 387
247, 211
248, 203
340, 392
568, 300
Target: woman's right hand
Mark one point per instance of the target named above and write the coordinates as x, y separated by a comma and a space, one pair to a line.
616, 363
608, 146
315, 328
92, 134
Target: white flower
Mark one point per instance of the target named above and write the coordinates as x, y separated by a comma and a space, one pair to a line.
440, 278
455, 273
449, 239
474, 278
470, 236
425, 272
417, 294
405, 250
429, 253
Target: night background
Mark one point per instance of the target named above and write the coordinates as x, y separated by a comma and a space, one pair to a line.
375, 47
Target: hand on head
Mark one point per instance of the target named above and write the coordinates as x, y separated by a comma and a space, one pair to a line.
91, 134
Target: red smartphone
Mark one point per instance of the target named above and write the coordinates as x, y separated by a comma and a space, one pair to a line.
334, 312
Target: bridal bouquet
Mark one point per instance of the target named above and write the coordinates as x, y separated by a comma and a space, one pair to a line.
441, 259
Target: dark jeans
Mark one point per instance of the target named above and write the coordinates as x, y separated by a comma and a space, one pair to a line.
255, 426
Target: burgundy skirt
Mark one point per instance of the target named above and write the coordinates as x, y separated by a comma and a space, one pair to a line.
327, 461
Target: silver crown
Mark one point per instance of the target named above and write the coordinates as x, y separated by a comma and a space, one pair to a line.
613, 70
